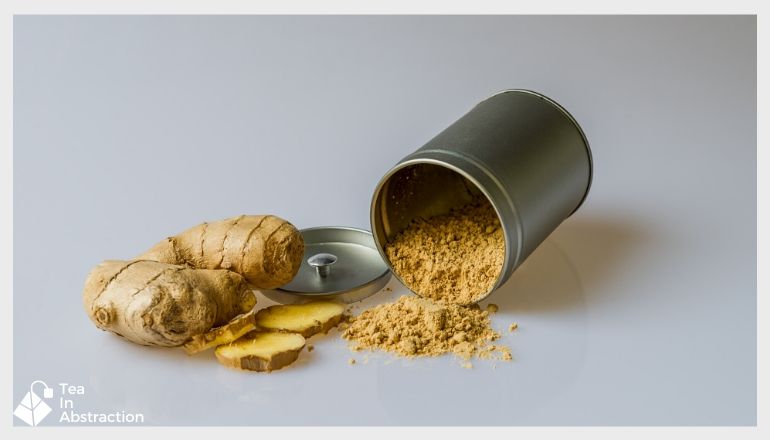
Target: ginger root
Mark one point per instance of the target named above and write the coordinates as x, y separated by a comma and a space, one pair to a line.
264, 249
153, 303
261, 351
306, 319
189, 283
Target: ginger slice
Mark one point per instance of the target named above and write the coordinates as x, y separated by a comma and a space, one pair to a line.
261, 351
237, 327
306, 319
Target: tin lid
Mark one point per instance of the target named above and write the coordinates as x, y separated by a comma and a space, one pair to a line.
340, 264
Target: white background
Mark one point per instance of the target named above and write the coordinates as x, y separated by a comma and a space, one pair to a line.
640, 309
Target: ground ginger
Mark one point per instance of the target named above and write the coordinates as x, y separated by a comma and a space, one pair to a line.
414, 326
451, 258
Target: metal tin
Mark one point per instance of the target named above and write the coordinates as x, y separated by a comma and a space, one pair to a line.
339, 263
520, 149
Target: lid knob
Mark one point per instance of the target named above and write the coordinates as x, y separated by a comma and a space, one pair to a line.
322, 263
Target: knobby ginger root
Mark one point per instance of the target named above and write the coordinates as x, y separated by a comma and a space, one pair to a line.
264, 249
153, 303
189, 283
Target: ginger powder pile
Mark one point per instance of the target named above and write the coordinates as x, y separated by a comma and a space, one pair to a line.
452, 258
414, 326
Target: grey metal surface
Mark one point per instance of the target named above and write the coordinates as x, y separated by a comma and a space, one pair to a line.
340, 264
520, 149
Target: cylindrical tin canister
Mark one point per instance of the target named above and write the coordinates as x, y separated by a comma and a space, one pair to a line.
520, 149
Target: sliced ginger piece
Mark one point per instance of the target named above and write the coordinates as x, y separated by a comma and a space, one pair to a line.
237, 327
261, 351
306, 319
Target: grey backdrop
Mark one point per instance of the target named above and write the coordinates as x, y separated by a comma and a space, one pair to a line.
640, 309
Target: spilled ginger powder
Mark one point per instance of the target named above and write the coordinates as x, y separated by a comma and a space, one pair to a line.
451, 258
414, 326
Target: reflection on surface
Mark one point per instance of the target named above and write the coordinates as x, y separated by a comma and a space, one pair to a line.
438, 391
547, 297
545, 282
593, 249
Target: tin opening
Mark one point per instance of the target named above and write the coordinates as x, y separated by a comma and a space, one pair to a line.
420, 190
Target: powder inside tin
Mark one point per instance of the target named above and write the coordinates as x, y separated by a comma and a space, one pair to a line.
414, 326
451, 258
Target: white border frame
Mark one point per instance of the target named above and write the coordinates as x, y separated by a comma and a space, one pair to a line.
16, 7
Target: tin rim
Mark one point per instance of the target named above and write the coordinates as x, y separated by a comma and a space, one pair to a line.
410, 161
431, 161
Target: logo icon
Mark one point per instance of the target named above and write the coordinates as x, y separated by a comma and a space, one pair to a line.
32, 409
